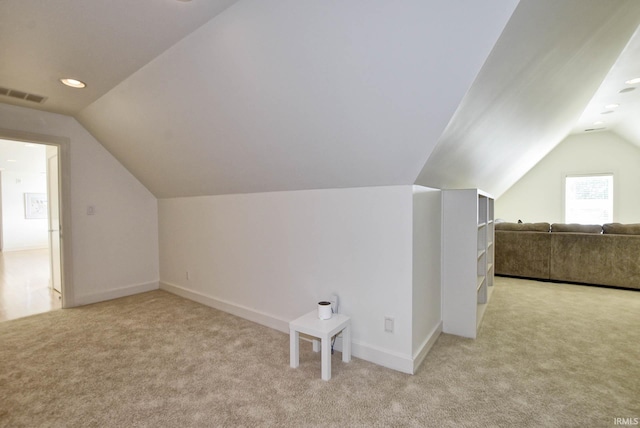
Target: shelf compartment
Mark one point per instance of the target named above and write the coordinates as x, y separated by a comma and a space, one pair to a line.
481, 280
466, 211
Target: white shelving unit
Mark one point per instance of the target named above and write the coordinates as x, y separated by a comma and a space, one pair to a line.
467, 259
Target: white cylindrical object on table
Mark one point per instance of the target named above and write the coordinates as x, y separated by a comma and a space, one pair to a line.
324, 310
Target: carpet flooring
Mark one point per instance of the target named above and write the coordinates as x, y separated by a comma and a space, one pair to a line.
548, 355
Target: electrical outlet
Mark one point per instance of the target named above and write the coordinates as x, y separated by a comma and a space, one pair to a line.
388, 324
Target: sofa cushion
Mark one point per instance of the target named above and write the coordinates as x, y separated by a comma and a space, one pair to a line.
576, 228
522, 253
621, 229
588, 258
526, 227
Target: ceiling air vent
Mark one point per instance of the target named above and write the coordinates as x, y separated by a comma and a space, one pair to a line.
22, 95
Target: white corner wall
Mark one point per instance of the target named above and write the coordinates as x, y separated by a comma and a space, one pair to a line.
427, 282
538, 196
270, 257
18, 232
115, 251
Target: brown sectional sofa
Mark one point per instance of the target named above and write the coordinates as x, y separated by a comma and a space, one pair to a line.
590, 254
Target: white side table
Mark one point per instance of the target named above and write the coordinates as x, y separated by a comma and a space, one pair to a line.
324, 330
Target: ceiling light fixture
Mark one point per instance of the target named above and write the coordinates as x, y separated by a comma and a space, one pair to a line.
609, 106
599, 122
622, 91
633, 81
73, 83
607, 112
11, 160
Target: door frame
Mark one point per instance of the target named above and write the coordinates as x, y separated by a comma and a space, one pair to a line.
64, 164
1, 223
53, 210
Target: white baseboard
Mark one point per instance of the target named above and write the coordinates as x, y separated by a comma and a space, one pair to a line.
115, 293
27, 248
373, 354
426, 347
232, 308
382, 357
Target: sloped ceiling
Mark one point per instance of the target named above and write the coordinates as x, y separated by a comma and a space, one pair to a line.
101, 42
288, 95
616, 90
237, 96
544, 70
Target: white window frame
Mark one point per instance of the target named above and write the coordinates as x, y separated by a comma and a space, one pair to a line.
612, 193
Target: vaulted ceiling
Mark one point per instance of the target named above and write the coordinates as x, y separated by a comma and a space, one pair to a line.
532, 91
215, 97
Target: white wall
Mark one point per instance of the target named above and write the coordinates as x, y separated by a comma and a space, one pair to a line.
427, 288
115, 251
538, 196
18, 232
271, 256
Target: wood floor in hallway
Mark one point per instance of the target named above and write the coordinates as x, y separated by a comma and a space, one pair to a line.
24, 284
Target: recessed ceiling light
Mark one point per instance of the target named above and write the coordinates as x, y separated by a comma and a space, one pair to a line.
599, 122
74, 83
612, 106
622, 91
633, 81
11, 160
607, 112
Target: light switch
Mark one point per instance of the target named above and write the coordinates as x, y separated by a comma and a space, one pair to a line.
388, 324
91, 210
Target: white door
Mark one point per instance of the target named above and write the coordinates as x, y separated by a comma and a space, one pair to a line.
54, 217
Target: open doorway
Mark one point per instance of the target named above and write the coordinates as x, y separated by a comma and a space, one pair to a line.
30, 250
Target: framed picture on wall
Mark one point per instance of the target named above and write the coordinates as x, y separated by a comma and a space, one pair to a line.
35, 205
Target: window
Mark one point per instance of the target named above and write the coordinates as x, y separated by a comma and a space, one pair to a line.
589, 199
